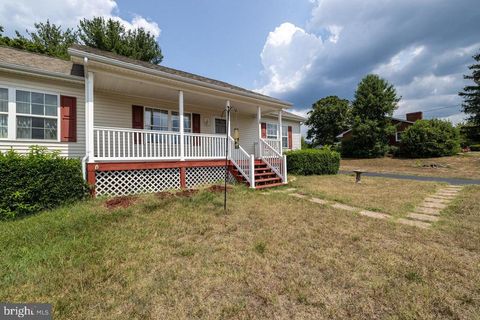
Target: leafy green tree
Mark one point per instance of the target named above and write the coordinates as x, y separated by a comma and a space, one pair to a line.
328, 118
47, 38
430, 138
373, 106
111, 35
471, 99
305, 144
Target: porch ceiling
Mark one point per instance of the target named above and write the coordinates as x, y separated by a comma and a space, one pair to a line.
140, 88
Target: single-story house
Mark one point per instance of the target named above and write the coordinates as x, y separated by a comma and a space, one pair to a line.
400, 126
141, 127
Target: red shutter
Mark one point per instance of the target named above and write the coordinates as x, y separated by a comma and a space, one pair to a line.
137, 117
264, 130
195, 123
68, 116
137, 122
290, 141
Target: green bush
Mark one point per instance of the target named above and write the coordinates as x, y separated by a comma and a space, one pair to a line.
475, 147
313, 161
36, 181
430, 138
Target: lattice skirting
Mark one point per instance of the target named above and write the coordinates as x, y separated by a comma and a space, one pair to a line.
126, 182
205, 176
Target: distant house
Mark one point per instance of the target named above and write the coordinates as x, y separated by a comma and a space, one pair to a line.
400, 125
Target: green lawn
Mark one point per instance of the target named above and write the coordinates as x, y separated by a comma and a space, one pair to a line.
271, 256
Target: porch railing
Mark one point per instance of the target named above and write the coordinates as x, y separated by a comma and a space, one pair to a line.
244, 162
274, 159
132, 144
274, 144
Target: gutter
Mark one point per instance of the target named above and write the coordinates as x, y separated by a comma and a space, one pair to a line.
126, 65
35, 71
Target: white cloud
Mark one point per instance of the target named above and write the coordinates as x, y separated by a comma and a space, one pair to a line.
21, 15
423, 52
287, 57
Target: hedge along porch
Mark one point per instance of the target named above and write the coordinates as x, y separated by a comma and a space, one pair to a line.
148, 130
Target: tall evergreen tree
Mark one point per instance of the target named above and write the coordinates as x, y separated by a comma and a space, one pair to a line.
328, 118
471, 99
111, 35
372, 109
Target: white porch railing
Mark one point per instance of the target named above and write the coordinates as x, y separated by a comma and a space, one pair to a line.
133, 144
244, 162
274, 144
274, 159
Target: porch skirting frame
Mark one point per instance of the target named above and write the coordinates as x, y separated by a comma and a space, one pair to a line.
129, 178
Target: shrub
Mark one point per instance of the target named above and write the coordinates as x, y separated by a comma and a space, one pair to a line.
430, 138
475, 147
313, 161
36, 181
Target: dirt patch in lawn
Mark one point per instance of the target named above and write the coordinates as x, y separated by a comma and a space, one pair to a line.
187, 193
164, 195
217, 188
120, 202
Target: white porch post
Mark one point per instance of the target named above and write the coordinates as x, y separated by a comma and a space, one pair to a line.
280, 131
259, 129
229, 129
182, 129
89, 114
252, 171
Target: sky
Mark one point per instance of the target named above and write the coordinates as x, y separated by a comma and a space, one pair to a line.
298, 50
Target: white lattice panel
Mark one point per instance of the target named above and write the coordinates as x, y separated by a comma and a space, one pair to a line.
205, 175
126, 182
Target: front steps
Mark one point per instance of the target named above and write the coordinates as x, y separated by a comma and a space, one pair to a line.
264, 176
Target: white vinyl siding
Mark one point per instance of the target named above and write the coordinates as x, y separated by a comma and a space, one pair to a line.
48, 86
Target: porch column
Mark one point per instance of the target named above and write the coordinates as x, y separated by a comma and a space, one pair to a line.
280, 130
227, 106
182, 129
259, 129
89, 114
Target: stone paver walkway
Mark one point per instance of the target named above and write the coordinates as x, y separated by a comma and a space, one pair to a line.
422, 216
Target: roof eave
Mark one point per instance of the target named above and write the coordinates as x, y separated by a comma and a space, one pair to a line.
134, 67
36, 71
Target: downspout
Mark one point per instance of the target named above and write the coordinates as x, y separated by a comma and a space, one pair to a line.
85, 157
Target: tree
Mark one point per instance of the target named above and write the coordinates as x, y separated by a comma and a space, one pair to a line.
430, 138
372, 109
471, 101
328, 118
47, 38
111, 35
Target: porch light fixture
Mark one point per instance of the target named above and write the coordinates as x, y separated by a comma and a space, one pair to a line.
236, 138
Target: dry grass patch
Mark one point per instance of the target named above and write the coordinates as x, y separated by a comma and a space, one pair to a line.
465, 166
391, 196
271, 256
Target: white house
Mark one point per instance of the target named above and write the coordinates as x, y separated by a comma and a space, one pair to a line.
140, 127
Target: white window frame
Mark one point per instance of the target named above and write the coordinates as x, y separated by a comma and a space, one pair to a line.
169, 117
397, 139
285, 135
276, 131
6, 113
215, 125
12, 112
184, 113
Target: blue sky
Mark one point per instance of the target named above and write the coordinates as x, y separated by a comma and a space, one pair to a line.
298, 50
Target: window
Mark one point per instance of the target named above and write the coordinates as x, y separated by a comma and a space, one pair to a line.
3, 112
271, 131
37, 115
285, 137
220, 126
156, 119
187, 122
398, 136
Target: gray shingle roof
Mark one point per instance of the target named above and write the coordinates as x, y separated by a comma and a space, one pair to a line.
41, 62
171, 71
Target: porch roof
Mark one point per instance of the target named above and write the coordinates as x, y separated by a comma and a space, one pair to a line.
80, 51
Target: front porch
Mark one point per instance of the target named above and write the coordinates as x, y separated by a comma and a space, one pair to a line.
150, 138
